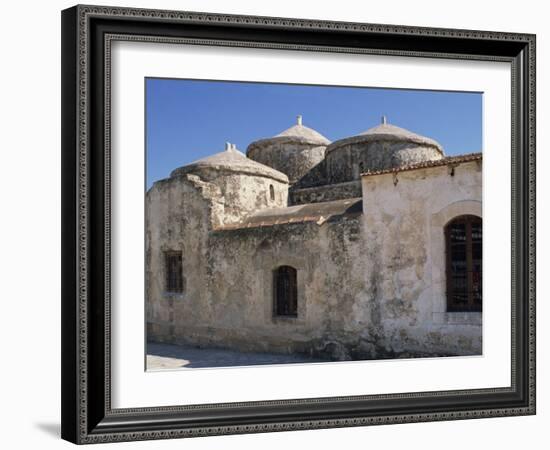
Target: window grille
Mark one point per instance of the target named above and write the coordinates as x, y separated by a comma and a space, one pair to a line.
463, 238
286, 291
174, 272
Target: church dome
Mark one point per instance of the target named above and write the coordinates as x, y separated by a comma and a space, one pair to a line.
382, 147
294, 151
301, 133
388, 133
233, 161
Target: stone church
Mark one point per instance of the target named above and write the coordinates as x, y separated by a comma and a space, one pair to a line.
364, 248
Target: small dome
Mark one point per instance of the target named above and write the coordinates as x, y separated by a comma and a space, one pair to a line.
388, 132
231, 160
297, 133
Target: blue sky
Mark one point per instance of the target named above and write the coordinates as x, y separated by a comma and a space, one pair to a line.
189, 119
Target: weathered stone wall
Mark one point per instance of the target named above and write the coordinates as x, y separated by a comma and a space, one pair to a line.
235, 308
324, 193
367, 285
178, 214
242, 194
346, 162
405, 215
295, 159
317, 176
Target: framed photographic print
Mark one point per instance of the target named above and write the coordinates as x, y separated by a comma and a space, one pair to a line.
279, 224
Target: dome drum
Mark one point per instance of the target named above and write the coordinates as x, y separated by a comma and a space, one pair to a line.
294, 159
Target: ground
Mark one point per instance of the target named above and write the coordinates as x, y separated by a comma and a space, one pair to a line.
168, 356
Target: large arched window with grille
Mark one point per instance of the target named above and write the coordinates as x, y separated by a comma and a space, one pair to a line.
285, 291
463, 238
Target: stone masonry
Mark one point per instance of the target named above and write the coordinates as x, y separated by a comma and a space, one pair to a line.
361, 223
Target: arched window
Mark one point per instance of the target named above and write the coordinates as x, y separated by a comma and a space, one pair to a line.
463, 267
285, 291
271, 192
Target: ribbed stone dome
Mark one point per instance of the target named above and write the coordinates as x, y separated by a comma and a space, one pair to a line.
231, 160
382, 147
294, 151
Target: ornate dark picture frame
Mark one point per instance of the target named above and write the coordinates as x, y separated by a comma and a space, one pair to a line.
87, 33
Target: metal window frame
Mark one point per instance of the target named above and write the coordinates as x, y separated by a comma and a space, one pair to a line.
467, 220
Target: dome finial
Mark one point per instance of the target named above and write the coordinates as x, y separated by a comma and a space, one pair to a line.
384, 120
299, 120
228, 146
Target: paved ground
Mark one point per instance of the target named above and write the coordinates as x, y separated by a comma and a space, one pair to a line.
168, 356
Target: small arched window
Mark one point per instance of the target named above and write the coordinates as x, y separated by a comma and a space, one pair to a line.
271, 192
285, 291
463, 239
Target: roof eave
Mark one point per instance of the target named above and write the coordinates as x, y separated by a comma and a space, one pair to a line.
450, 160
